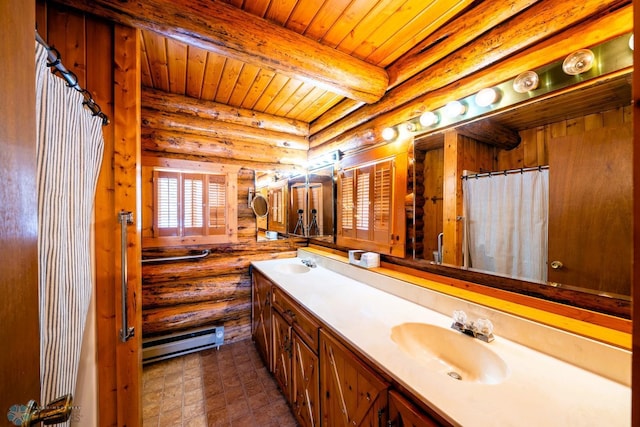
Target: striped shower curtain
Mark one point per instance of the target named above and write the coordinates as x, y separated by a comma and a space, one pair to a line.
69, 153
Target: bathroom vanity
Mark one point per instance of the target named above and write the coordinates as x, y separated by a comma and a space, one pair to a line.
350, 346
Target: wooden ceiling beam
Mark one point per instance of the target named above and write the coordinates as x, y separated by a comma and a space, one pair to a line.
586, 34
534, 25
228, 31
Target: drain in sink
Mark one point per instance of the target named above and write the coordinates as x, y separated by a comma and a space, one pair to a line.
454, 375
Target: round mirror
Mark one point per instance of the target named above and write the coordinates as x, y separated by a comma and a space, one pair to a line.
260, 205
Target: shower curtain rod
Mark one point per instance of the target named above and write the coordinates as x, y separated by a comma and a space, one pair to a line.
505, 172
72, 80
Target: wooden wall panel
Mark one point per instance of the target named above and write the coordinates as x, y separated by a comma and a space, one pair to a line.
533, 149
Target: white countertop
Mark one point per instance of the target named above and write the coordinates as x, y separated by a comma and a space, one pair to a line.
538, 391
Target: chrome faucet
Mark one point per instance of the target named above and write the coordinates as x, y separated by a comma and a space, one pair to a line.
309, 263
481, 329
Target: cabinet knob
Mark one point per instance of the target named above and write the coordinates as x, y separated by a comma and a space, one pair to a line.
556, 265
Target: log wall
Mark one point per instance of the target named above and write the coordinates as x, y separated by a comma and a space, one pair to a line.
216, 290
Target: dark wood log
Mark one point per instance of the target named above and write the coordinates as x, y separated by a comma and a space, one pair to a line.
154, 120
351, 133
490, 132
255, 166
186, 316
173, 103
219, 288
230, 263
471, 63
229, 31
179, 142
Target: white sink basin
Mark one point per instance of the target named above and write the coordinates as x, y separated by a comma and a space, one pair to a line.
292, 268
461, 357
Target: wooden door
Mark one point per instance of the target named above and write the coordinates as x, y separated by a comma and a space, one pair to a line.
261, 316
282, 353
19, 334
305, 387
403, 413
590, 218
352, 394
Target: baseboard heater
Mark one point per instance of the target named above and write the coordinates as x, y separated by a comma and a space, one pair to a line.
180, 343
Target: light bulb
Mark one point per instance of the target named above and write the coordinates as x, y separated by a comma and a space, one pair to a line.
455, 109
526, 81
388, 134
429, 118
486, 97
578, 62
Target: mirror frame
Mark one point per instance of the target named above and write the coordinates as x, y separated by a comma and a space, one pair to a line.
259, 197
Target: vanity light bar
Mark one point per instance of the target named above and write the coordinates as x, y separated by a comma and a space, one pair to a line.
611, 56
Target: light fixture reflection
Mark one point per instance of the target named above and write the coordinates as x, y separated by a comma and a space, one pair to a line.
486, 97
455, 109
631, 42
526, 81
410, 126
429, 118
389, 134
578, 62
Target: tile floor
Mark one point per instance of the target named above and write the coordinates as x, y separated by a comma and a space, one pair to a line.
227, 387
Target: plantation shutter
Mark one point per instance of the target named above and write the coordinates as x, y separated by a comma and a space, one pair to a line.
193, 190
382, 191
167, 202
346, 195
217, 202
363, 197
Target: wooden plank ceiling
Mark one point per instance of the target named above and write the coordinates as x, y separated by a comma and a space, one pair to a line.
376, 32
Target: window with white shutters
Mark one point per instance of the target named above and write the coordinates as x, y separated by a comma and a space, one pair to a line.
366, 197
189, 204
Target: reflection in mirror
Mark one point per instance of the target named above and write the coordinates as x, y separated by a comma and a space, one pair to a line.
584, 138
321, 204
298, 218
269, 206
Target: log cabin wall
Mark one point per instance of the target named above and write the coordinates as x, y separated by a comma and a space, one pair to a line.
216, 290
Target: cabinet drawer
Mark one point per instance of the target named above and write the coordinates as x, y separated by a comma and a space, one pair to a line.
301, 321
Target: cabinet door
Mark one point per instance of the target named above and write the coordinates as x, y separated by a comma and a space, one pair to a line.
305, 388
352, 394
261, 316
403, 413
282, 353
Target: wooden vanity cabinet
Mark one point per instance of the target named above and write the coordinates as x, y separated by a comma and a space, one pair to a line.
325, 382
352, 394
261, 316
403, 413
295, 344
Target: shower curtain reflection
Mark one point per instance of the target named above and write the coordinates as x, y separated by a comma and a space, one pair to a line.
507, 221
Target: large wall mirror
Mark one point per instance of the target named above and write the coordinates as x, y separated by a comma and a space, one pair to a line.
552, 215
312, 204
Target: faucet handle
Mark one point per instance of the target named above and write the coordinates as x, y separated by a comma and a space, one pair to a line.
484, 326
460, 316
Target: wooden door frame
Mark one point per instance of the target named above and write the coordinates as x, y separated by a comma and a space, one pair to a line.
19, 330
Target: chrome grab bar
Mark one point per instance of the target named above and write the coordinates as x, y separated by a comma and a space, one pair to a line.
125, 218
